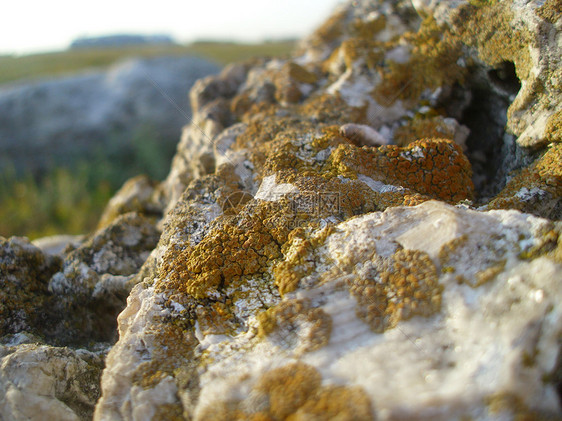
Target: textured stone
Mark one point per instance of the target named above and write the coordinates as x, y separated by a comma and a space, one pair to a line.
96, 277
25, 303
437, 284
43, 382
305, 272
368, 229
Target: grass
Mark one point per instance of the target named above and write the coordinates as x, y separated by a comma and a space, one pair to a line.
70, 200
14, 68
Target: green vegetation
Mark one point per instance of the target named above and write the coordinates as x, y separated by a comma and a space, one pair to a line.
70, 200
65, 62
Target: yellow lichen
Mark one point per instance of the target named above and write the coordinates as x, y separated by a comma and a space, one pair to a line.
489, 29
329, 31
336, 402
172, 349
295, 392
287, 388
299, 251
368, 28
224, 255
535, 186
433, 63
553, 130
402, 286
422, 127
169, 412
551, 10
287, 82
355, 50
513, 407
294, 324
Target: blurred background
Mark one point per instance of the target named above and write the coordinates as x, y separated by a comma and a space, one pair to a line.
93, 94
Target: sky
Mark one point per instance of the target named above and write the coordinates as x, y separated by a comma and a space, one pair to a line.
31, 26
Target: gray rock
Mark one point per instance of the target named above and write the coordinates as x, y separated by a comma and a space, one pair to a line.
61, 120
39, 382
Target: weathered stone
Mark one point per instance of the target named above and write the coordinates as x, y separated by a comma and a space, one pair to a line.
307, 272
96, 278
43, 382
25, 302
137, 195
439, 284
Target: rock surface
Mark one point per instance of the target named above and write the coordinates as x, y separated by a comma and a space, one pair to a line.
370, 229
95, 112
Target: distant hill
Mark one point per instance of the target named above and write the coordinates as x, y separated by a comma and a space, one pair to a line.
121, 40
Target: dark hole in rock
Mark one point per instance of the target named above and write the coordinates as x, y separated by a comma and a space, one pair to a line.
505, 78
492, 151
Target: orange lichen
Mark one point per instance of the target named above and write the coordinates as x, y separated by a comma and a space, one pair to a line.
402, 286
432, 167
295, 324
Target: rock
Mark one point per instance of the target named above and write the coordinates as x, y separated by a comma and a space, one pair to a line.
464, 301
138, 194
57, 244
78, 116
95, 278
305, 272
42, 382
25, 303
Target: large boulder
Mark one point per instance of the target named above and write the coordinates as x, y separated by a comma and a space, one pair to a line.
59, 121
369, 229
348, 243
